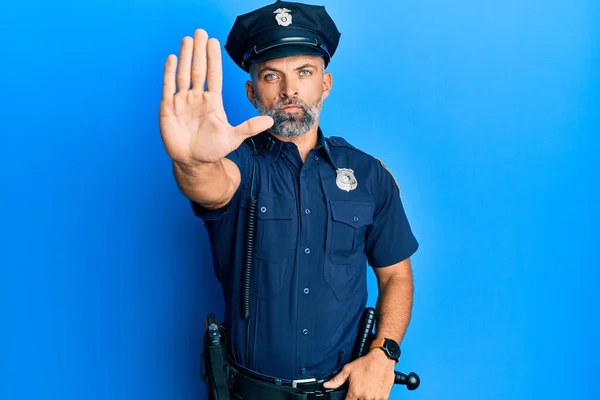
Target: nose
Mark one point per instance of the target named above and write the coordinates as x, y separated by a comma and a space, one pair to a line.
289, 88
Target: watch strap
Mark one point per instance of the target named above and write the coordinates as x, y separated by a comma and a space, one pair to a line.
377, 343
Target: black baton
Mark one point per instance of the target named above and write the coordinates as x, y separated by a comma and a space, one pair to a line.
363, 342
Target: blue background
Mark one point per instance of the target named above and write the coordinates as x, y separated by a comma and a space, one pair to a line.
487, 113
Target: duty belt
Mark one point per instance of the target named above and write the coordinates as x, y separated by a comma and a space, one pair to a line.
252, 387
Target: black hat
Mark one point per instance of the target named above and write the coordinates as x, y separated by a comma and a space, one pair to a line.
279, 30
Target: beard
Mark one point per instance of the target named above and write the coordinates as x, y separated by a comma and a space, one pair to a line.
291, 124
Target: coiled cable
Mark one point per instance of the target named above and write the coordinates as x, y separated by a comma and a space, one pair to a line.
249, 240
248, 253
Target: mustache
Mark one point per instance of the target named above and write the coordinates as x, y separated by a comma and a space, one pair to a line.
290, 102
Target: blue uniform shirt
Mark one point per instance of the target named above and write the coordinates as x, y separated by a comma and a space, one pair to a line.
312, 244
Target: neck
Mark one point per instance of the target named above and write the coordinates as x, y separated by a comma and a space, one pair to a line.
305, 142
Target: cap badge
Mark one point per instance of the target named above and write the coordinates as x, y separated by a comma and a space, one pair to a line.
283, 17
345, 179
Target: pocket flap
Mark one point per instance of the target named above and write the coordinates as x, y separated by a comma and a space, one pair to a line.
274, 207
353, 213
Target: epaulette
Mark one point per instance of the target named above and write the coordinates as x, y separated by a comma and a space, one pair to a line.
389, 172
338, 141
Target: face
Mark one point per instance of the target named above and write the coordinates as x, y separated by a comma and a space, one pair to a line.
291, 90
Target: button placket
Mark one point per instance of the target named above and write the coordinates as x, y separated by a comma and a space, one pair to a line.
306, 178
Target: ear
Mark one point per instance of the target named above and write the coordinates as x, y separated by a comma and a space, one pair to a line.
327, 83
250, 93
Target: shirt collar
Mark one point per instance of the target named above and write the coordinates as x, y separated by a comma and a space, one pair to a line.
270, 146
320, 139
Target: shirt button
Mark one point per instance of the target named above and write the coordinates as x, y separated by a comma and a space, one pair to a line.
307, 250
263, 209
307, 211
316, 158
303, 174
306, 290
355, 219
304, 370
305, 331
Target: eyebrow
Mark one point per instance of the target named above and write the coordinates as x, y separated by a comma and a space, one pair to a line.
267, 68
307, 65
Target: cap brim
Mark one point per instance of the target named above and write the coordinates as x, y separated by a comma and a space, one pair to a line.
286, 51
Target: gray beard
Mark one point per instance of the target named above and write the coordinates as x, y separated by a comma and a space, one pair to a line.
291, 124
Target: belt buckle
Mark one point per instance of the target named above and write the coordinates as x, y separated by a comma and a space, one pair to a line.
295, 382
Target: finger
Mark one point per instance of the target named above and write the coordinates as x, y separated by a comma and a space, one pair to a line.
183, 70
199, 60
254, 126
169, 77
215, 67
337, 380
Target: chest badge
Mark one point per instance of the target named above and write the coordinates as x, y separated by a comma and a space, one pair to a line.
283, 17
345, 179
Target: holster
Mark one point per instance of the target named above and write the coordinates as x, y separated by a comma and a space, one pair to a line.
215, 369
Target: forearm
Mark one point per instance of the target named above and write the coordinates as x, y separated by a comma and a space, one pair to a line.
394, 306
210, 184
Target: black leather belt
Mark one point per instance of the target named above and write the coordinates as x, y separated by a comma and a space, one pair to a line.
252, 387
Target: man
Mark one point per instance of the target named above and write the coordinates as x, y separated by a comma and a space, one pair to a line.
323, 210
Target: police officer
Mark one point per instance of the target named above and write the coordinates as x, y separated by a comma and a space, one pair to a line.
324, 209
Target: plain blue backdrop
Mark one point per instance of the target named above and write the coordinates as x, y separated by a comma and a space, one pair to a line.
486, 112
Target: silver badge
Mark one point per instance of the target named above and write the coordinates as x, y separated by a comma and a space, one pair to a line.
283, 17
345, 179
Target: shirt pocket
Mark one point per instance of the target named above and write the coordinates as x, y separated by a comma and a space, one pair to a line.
275, 234
345, 269
275, 242
348, 226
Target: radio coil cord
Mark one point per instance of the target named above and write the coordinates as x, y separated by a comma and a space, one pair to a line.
249, 239
249, 250
248, 253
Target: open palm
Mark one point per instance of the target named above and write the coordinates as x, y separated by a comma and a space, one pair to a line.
193, 123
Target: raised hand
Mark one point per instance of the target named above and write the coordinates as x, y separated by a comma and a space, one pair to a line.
193, 123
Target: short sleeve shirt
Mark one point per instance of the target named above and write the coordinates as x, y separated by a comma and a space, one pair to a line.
314, 236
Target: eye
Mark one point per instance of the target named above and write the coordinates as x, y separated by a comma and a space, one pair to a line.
270, 77
305, 72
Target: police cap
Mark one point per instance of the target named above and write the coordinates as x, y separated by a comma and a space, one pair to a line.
282, 29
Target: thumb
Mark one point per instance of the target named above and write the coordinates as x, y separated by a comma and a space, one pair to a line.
254, 126
337, 380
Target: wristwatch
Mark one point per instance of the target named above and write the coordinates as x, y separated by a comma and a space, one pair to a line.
389, 347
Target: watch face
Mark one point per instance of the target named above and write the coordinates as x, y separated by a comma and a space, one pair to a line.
392, 348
